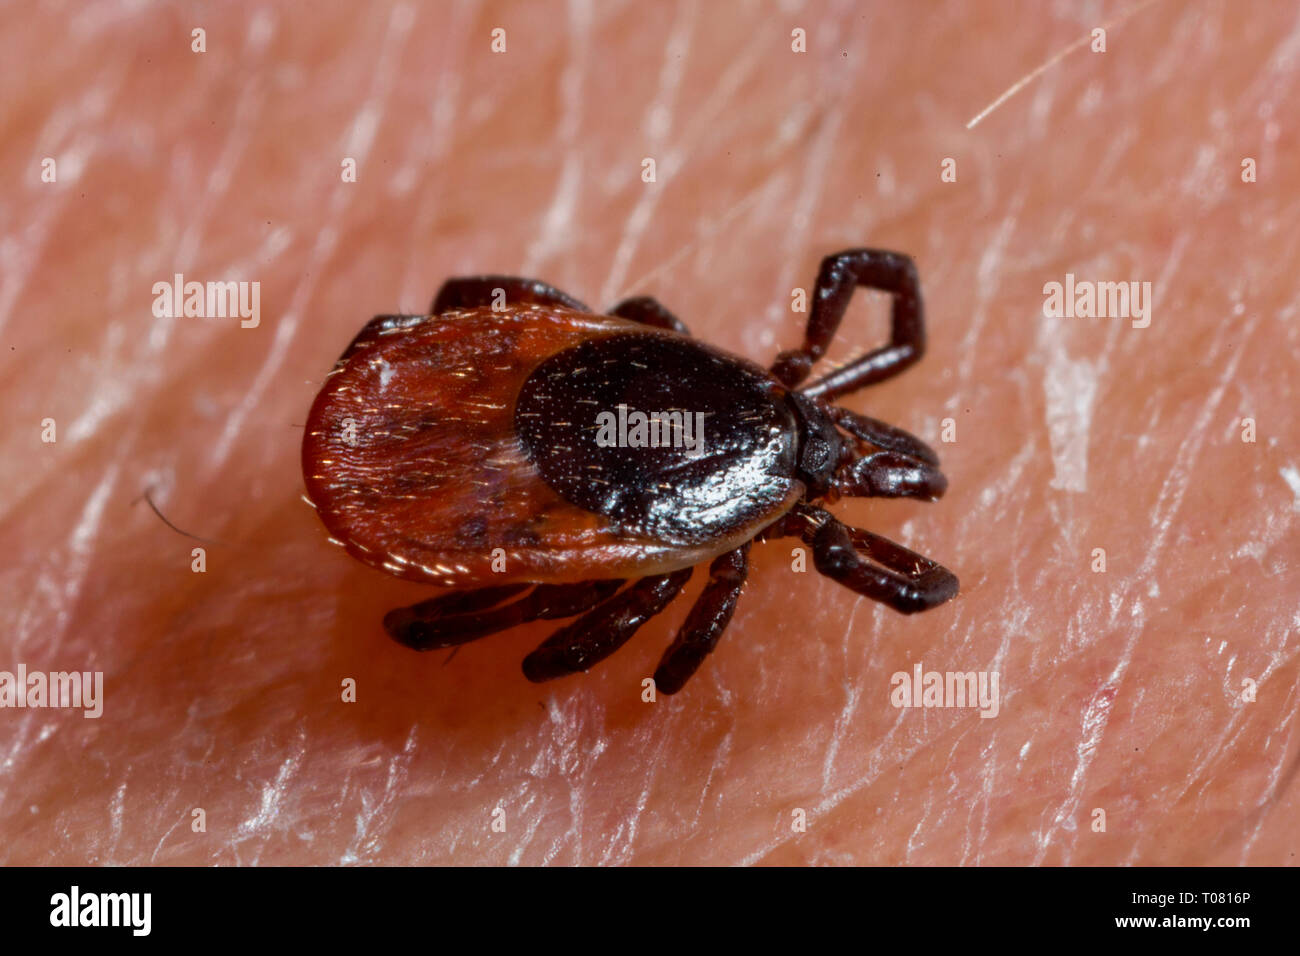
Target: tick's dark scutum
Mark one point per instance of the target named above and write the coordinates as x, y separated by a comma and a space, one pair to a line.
745, 470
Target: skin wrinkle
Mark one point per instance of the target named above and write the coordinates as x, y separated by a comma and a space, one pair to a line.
1092, 730
360, 139
1277, 783
1291, 475
813, 178
20, 255
1175, 486
716, 767
666, 266
838, 796
1088, 169
18, 258
830, 802
119, 804
75, 565
842, 725
696, 131
850, 699
658, 119
812, 185
432, 144
1234, 726
557, 223
991, 258
571, 765
220, 179
1069, 388
624, 855
986, 802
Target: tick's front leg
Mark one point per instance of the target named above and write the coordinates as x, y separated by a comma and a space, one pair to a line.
839, 276
883, 435
903, 579
890, 474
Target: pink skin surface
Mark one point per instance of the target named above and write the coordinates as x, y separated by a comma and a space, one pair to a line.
1121, 691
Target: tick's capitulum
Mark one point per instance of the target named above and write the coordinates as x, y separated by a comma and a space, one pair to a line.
474, 448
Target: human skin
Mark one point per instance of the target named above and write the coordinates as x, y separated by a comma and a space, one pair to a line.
1121, 691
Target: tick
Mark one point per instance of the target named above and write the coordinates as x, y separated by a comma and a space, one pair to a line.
546, 462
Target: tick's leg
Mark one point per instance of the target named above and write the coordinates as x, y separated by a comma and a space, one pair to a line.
901, 578
708, 618
889, 474
883, 435
423, 628
648, 311
600, 632
790, 525
469, 292
840, 274
458, 602
379, 327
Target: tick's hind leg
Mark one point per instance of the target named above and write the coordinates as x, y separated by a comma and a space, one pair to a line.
468, 615
902, 579
708, 618
469, 292
458, 602
648, 311
603, 630
839, 275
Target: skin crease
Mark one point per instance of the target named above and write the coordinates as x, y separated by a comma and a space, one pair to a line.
1121, 691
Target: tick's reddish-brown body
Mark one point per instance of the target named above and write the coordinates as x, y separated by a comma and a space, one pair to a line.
458, 449
431, 481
